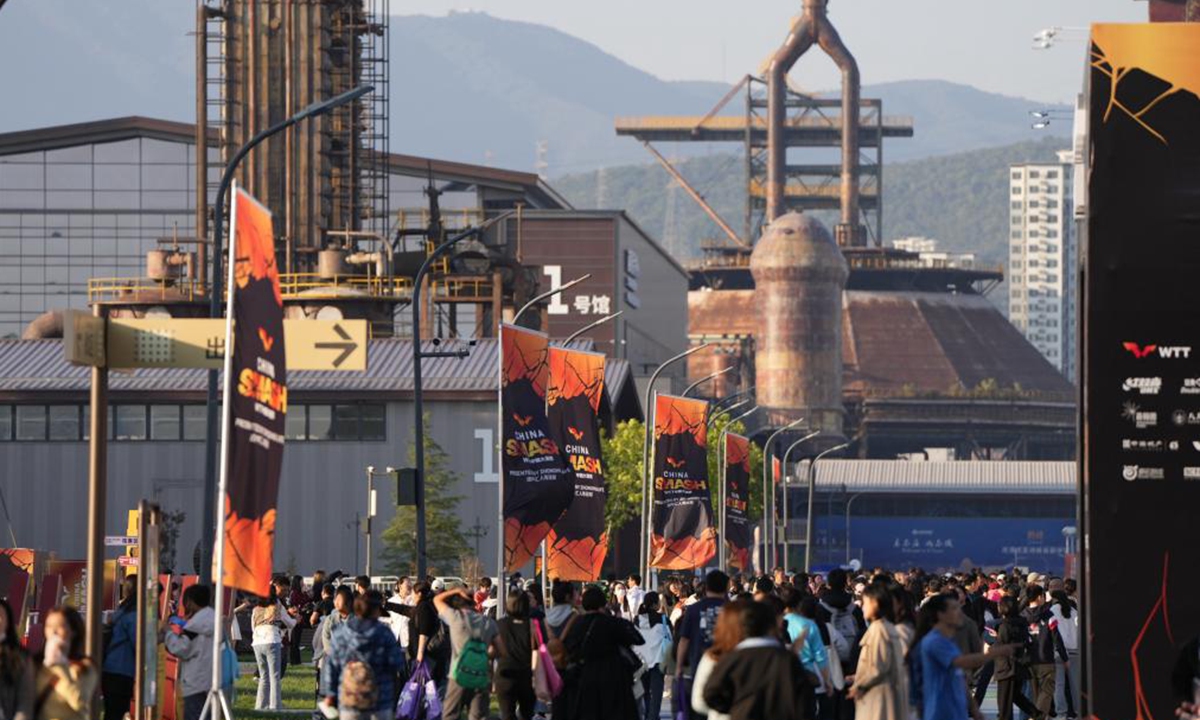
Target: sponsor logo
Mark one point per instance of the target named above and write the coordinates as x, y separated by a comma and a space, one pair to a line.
1183, 417
1191, 473
1166, 352
1135, 445
1190, 386
1141, 419
1143, 385
1196, 445
1137, 472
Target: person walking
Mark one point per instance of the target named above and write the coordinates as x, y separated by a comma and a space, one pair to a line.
514, 672
696, 628
616, 601
116, 680
66, 681
343, 603
805, 638
726, 637
1012, 672
361, 664
268, 621
1066, 618
598, 680
656, 637
937, 666
474, 638
426, 636
879, 685
1046, 649
760, 679
16, 670
635, 595
192, 643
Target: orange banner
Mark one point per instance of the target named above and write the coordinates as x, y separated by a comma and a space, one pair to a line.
684, 535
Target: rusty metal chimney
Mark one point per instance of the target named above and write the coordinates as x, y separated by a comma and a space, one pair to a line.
813, 27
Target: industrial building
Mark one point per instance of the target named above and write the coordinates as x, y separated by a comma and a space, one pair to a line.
1043, 252
887, 351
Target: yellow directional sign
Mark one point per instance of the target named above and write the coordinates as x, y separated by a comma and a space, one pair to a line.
200, 343
83, 338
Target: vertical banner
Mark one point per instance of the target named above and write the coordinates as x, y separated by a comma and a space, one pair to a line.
1140, 472
684, 534
16, 582
578, 542
74, 581
259, 395
738, 534
538, 485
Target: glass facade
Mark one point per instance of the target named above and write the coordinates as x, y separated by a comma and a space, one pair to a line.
87, 211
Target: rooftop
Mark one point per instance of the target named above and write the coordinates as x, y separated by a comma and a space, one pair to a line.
961, 477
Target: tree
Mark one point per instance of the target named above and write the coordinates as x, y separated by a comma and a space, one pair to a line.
622, 455
714, 467
445, 544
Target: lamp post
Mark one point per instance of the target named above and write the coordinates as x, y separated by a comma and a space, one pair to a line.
373, 507
643, 563
701, 381
849, 502
767, 539
721, 552
590, 326
712, 418
786, 454
721, 403
214, 309
418, 388
812, 481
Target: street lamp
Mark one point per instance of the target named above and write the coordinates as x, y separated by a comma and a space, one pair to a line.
766, 488
418, 388
549, 293
721, 403
721, 552
590, 326
712, 417
214, 309
812, 481
786, 454
648, 438
849, 502
706, 378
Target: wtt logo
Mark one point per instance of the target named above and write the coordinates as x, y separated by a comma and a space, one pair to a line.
1166, 352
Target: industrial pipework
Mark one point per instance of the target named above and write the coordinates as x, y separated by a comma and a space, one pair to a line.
813, 27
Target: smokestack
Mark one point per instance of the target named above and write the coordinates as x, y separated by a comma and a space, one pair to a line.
813, 27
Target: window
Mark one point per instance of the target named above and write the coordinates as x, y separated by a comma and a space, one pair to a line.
195, 418
87, 422
1034, 174
1016, 174
130, 422
64, 422
320, 422
31, 422
1016, 204
345, 422
164, 422
1034, 203
1034, 189
1016, 191
374, 422
1016, 235
296, 418
1051, 174
6, 423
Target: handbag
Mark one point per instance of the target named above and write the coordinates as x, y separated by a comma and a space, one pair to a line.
547, 683
409, 706
230, 669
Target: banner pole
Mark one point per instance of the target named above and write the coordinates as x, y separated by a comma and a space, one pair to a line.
215, 700
722, 456
502, 584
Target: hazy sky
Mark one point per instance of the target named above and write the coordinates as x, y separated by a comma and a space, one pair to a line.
985, 44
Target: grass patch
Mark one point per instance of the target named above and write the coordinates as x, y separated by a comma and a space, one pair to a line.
297, 691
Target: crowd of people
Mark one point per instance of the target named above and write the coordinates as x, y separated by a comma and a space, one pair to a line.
879, 645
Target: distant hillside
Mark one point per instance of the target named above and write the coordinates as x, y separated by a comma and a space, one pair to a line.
960, 199
467, 87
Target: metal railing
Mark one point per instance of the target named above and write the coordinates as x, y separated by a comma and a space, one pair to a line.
145, 289
295, 285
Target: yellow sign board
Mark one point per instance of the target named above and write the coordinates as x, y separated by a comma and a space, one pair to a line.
83, 338
200, 343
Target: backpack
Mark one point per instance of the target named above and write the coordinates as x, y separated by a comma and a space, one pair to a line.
359, 691
470, 670
843, 621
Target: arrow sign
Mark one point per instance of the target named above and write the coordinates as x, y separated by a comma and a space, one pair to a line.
347, 347
200, 343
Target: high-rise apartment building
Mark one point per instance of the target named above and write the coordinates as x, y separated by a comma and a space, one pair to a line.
1042, 256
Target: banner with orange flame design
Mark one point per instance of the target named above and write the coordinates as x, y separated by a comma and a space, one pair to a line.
538, 485
684, 536
739, 537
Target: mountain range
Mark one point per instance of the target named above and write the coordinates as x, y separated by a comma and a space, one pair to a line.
468, 86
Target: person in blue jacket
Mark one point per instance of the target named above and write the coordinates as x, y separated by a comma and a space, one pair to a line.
120, 653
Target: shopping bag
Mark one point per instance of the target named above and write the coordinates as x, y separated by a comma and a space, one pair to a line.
433, 703
682, 694
409, 706
547, 683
